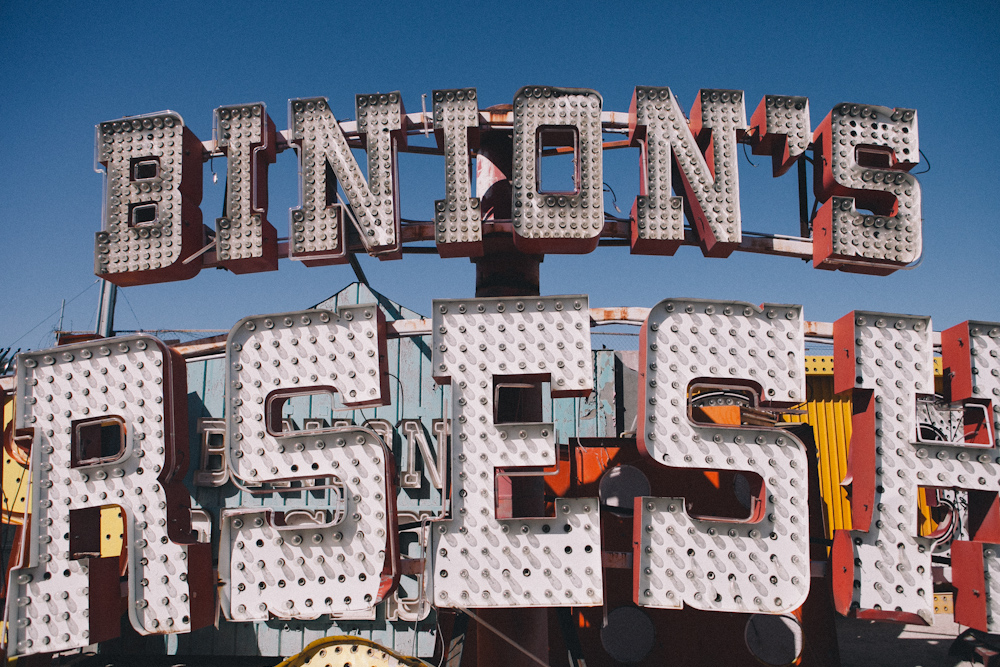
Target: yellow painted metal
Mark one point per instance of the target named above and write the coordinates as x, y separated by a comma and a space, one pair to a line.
348, 651
112, 529
15, 491
926, 525
15, 477
823, 365
819, 365
944, 603
830, 416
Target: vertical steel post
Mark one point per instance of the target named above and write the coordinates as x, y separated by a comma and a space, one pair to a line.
805, 224
502, 270
106, 309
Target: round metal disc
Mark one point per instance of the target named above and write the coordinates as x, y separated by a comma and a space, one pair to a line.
774, 640
620, 486
629, 635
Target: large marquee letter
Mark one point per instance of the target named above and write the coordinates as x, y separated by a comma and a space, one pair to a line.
480, 560
882, 568
971, 359
557, 222
709, 178
457, 218
110, 428
245, 241
862, 154
318, 234
758, 565
341, 560
152, 222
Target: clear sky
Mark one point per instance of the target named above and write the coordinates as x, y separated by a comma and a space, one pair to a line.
65, 67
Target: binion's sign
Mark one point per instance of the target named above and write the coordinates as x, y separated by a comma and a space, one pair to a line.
868, 218
341, 558
329, 520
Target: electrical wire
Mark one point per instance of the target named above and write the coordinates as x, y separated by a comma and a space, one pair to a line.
614, 198
502, 636
132, 310
55, 312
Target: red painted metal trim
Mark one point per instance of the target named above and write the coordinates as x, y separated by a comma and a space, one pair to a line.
640, 428
844, 360
984, 516
175, 461
956, 359
763, 143
636, 546
861, 460
391, 567
822, 238
824, 185
556, 245
202, 585
105, 607
969, 578
842, 565
885, 615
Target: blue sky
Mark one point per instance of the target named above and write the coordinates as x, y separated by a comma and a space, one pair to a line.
65, 67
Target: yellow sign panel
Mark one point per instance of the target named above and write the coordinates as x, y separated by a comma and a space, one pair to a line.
15, 475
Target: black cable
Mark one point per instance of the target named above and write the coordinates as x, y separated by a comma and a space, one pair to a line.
614, 198
917, 173
132, 310
56, 311
747, 156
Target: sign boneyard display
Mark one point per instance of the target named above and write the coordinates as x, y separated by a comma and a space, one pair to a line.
251, 481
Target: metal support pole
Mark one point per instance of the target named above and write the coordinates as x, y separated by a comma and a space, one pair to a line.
106, 310
805, 224
502, 270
